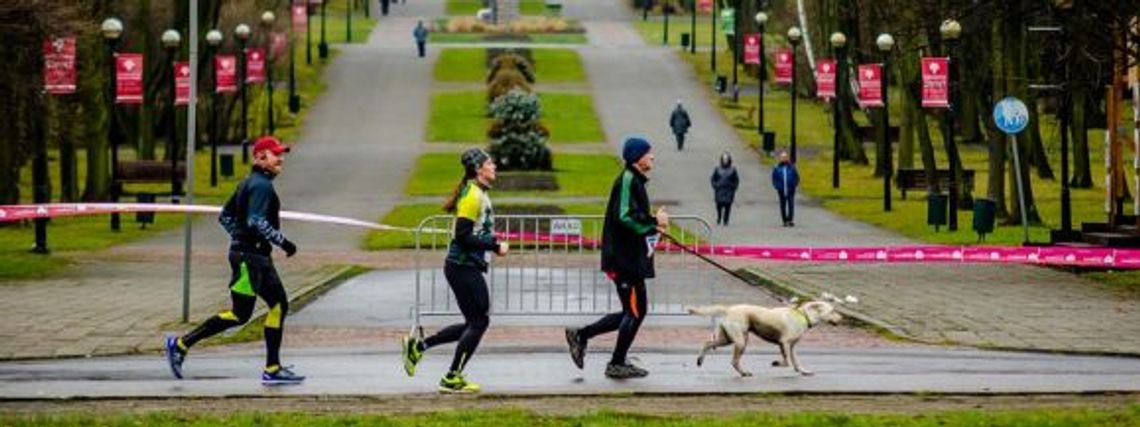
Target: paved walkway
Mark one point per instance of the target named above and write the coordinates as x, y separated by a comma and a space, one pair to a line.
636, 86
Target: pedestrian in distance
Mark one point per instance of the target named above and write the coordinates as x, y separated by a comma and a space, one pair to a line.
680, 123
629, 237
421, 36
384, 7
466, 262
724, 183
785, 179
251, 217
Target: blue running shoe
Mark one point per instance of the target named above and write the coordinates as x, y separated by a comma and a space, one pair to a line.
282, 376
174, 356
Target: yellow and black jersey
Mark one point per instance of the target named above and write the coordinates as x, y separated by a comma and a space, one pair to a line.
474, 223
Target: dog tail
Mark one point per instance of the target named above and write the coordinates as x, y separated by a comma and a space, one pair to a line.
708, 310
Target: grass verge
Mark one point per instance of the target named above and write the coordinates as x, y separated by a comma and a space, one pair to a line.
470, 65
470, 7
460, 117
536, 38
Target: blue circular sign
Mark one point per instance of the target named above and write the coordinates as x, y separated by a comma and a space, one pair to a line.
1011, 115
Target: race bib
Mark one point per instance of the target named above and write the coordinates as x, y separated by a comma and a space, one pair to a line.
651, 244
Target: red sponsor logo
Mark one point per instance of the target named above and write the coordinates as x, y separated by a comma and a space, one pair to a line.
59, 65
935, 83
181, 83
752, 48
225, 74
870, 85
785, 66
128, 78
825, 78
254, 65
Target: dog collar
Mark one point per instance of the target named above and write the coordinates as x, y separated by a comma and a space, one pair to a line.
805, 316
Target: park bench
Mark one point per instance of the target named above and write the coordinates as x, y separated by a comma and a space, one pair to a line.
912, 179
867, 134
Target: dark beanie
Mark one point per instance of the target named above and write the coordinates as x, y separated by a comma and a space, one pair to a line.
634, 148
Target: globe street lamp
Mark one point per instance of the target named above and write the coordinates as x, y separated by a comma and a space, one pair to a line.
761, 19
323, 46
170, 41
214, 39
838, 42
267, 20
112, 30
241, 33
951, 30
886, 43
794, 36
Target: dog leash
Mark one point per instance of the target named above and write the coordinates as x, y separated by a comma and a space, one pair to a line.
722, 267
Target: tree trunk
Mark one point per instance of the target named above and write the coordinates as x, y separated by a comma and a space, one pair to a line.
94, 96
1082, 172
906, 133
1016, 68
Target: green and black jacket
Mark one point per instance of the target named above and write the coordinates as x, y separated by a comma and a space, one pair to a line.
628, 223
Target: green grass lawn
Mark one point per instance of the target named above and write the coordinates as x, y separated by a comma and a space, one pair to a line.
538, 38
1120, 416
436, 174
652, 31
410, 215
71, 235
459, 117
860, 194
469, 65
470, 7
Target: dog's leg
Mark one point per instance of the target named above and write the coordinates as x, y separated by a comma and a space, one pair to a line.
795, 363
783, 361
719, 340
737, 353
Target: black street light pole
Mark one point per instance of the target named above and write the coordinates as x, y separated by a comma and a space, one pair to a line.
645, 10
794, 36
348, 21
214, 39
323, 46
693, 27
308, 33
951, 30
241, 33
886, 42
713, 35
267, 20
170, 40
761, 19
737, 44
665, 34
294, 99
41, 181
838, 41
112, 29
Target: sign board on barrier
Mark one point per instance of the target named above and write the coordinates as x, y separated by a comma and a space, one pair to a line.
1011, 115
566, 227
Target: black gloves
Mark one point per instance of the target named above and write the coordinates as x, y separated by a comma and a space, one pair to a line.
289, 248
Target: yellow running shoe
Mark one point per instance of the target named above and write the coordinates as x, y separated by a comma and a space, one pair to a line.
455, 383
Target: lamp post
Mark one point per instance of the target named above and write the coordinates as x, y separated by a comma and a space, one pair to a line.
323, 46
761, 19
112, 29
308, 33
737, 45
294, 100
886, 42
348, 21
665, 34
214, 39
267, 20
713, 35
794, 36
951, 30
692, 27
170, 41
241, 33
838, 42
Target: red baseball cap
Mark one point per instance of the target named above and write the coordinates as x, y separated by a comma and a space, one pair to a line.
270, 143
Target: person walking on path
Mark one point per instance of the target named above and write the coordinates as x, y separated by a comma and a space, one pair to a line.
785, 179
421, 36
251, 217
724, 184
629, 236
679, 121
466, 262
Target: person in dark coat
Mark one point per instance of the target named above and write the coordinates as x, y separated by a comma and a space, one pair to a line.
680, 123
724, 184
421, 35
785, 179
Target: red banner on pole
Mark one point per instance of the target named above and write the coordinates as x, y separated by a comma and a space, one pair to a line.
59, 65
935, 83
181, 83
825, 79
277, 45
128, 78
705, 6
254, 65
225, 74
752, 48
785, 66
871, 85
300, 16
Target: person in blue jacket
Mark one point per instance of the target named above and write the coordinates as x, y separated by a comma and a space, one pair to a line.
421, 36
785, 179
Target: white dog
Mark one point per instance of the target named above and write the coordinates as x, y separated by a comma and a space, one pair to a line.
782, 326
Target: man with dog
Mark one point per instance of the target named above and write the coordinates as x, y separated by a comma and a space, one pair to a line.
629, 235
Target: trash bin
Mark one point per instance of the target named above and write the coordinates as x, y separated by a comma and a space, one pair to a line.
144, 218
721, 83
936, 209
226, 164
686, 38
984, 210
769, 143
